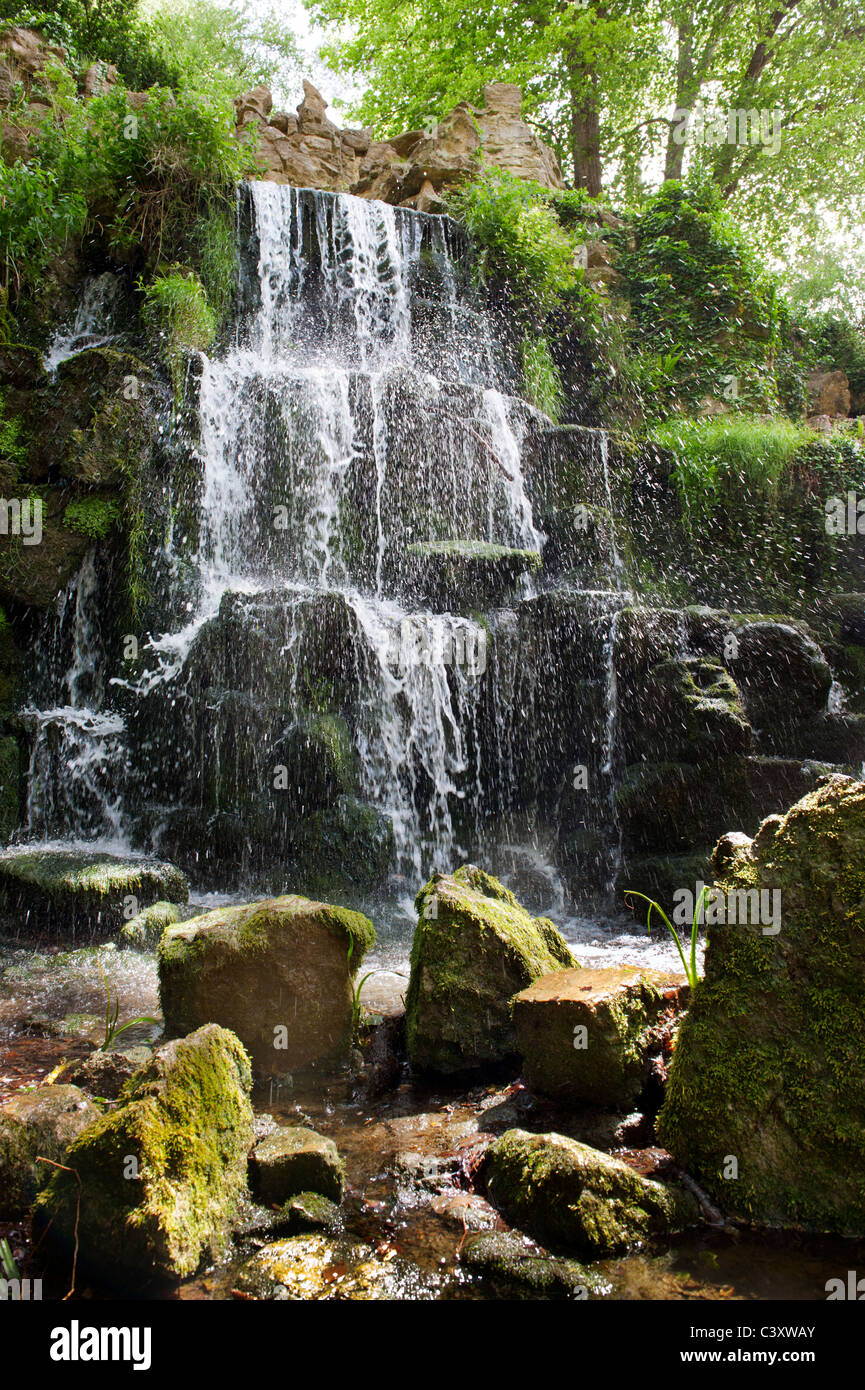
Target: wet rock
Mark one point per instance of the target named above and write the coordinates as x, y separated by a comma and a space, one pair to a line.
765, 1102
162, 1175
145, 930
309, 1211
584, 1034
276, 972
571, 1196
783, 675
65, 893
314, 1267
691, 710
37, 1124
474, 948
466, 576
514, 1266
294, 1160
105, 1074
828, 394
316, 752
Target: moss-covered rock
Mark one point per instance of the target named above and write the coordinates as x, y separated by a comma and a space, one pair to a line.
583, 1034
276, 972
766, 1097
783, 675
145, 929
573, 1197
474, 948
465, 575
69, 893
290, 1161
161, 1176
517, 1271
34, 575
691, 709
317, 754
37, 1124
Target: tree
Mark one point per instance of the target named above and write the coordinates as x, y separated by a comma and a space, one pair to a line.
224, 48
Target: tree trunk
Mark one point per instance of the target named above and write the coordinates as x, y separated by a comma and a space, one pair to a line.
585, 131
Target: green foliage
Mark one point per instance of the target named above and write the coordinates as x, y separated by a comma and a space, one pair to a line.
721, 461
224, 49
542, 381
833, 341
689, 963
93, 517
177, 312
519, 239
13, 450
112, 1013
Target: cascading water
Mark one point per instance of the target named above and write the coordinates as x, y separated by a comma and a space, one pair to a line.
359, 414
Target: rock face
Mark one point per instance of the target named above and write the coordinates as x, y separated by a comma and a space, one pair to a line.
146, 928
584, 1034
466, 576
828, 394
574, 1197
766, 1097
276, 972
474, 948
161, 1176
37, 1124
290, 1161
63, 893
410, 170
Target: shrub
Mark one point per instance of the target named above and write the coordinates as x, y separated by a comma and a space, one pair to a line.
176, 310
542, 382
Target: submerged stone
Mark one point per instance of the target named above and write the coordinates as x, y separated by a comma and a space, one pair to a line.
584, 1034
765, 1101
295, 1160
474, 948
569, 1195
37, 1124
161, 1176
514, 1268
313, 1267
69, 893
276, 972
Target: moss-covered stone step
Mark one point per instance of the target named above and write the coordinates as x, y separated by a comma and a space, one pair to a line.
573, 1197
64, 893
466, 575
765, 1102
474, 948
584, 1034
276, 972
156, 1183
37, 1124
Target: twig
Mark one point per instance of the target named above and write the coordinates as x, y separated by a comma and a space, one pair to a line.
67, 1169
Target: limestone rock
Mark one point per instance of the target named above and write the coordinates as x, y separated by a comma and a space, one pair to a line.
584, 1034
162, 1175
295, 1160
37, 1124
769, 1067
276, 972
474, 948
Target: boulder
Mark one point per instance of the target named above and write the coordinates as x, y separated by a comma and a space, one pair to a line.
64, 893
315, 1267
574, 1197
104, 1074
276, 972
783, 675
146, 928
517, 1270
474, 948
33, 1125
765, 1102
289, 1161
828, 394
156, 1183
584, 1035
691, 710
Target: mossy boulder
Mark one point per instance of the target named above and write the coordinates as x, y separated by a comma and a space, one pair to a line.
517, 1271
64, 893
289, 1161
34, 574
573, 1197
161, 1176
783, 675
691, 710
475, 947
145, 929
276, 972
584, 1034
466, 575
769, 1068
317, 754
37, 1124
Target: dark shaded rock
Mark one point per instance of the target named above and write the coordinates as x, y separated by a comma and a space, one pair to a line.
291, 1161
513, 1266
33, 1125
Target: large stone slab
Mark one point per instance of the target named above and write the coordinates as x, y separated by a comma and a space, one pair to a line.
277, 973
584, 1034
474, 948
156, 1183
62, 893
765, 1102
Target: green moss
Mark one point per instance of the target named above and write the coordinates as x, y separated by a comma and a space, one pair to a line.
145, 930
186, 1121
71, 892
93, 517
768, 1068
